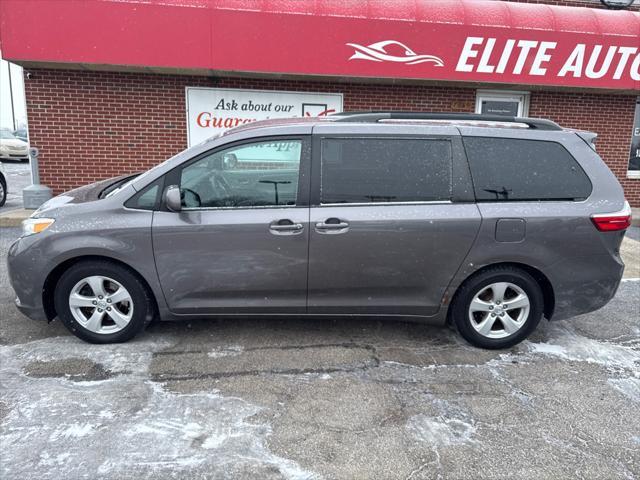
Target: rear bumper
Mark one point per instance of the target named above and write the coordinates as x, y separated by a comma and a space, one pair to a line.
584, 284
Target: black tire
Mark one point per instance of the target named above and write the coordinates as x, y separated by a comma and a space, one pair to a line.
3, 192
462, 301
143, 306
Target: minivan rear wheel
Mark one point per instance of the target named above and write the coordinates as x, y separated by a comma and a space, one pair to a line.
498, 308
102, 302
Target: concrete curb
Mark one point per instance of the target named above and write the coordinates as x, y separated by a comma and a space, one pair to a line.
14, 218
635, 217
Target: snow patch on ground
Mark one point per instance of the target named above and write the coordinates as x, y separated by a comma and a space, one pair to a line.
629, 387
126, 426
230, 351
441, 431
619, 359
74, 430
451, 426
568, 345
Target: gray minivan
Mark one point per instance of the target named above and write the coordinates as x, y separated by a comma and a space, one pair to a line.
488, 223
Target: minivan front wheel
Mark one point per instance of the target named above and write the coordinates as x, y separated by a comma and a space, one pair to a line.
498, 307
102, 302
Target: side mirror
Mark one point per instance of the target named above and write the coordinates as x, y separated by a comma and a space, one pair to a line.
172, 198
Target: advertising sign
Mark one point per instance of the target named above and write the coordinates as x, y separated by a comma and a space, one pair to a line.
213, 110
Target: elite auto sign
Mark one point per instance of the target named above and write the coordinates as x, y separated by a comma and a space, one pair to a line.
518, 57
474, 41
532, 45
537, 58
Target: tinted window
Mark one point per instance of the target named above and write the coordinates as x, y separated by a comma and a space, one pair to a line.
512, 169
250, 175
359, 170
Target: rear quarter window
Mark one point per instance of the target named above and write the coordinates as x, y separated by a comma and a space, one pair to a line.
507, 169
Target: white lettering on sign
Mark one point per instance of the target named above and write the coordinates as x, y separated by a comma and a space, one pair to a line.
532, 57
213, 110
542, 56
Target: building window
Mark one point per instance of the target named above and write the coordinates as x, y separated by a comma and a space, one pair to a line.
502, 102
634, 153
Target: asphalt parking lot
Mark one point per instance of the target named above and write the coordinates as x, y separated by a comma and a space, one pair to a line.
299, 399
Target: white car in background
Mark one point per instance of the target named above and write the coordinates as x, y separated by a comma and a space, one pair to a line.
12, 148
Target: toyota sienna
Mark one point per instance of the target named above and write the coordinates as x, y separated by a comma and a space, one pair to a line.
487, 223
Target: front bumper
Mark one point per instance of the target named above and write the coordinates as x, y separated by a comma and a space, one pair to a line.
27, 280
34, 313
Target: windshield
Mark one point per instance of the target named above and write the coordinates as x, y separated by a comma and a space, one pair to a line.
6, 134
118, 186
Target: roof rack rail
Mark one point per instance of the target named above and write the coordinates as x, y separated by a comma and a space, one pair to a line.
373, 117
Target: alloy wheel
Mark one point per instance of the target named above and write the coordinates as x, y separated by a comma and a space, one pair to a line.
499, 310
101, 305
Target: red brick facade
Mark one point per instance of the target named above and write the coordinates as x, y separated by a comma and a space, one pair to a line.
93, 125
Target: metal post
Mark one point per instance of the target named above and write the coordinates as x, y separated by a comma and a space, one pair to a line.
33, 163
13, 113
35, 195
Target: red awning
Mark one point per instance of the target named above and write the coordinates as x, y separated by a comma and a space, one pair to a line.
443, 40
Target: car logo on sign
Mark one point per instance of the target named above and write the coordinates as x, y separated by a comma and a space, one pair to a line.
379, 52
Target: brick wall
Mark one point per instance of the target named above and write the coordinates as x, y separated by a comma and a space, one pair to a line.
94, 125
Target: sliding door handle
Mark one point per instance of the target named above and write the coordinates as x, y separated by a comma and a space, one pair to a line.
332, 225
285, 226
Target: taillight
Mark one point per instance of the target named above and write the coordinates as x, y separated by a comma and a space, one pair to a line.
613, 222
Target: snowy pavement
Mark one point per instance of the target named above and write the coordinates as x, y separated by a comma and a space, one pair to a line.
296, 398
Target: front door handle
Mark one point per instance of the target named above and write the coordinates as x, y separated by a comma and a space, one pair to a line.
285, 227
332, 225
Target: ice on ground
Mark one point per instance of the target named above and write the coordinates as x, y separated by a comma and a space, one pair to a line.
230, 351
441, 430
629, 387
125, 426
452, 425
568, 345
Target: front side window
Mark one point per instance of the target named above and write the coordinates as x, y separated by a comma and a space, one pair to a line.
507, 169
372, 170
258, 174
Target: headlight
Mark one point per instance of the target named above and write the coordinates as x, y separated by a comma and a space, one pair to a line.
35, 225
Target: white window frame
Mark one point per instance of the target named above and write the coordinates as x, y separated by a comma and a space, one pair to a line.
521, 97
